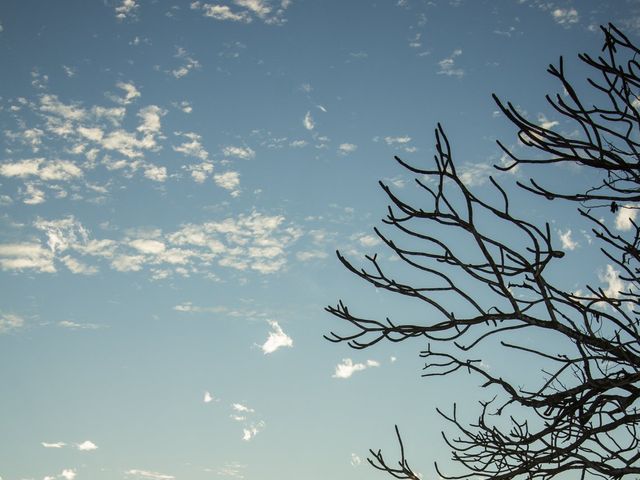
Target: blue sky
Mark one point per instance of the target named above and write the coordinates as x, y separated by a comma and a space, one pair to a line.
175, 178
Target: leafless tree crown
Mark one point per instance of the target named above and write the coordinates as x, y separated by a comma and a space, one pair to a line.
581, 416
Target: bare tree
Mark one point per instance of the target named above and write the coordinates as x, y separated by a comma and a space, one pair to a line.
581, 415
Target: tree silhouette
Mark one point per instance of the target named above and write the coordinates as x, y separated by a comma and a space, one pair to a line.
581, 415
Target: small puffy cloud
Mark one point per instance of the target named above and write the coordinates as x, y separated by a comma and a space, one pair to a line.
238, 407
252, 430
193, 147
369, 240
565, 16
228, 181
298, 143
208, 398
245, 153
130, 92
356, 461
9, 322
221, 12
246, 11
348, 368
307, 121
545, 123
68, 474
77, 326
624, 218
51, 170
126, 9
475, 174
86, 446
155, 173
347, 148
147, 246
147, 474
567, 242
53, 445
277, 338
614, 284
448, 66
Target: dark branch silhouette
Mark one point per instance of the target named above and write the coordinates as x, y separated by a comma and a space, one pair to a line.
581, 417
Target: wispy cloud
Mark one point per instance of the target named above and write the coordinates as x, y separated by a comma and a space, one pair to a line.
568, 243
448, 65
147, 474
244, 153
347, 148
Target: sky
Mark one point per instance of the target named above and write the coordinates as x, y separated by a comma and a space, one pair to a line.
175, 178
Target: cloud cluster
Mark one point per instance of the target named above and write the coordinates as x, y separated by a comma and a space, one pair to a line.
245, 11
252, 242
448, 65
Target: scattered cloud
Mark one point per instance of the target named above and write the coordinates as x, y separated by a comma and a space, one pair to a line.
126, 9
238, 407
356, 461
188, 63
68, 474
397, 140
307, 121
208, 397
348, 368
252, 430
475, 174
567, 242
146, 474
228, 181
347, 148
244, 153
130, 92
625, 217
565, 16
448, 65
246, 11
86, 446
546, 123
277, 338
234, 470
615, 285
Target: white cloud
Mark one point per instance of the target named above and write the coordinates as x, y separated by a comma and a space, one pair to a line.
86, 446
9, 322
77, 326
567, 242
228, 181
189, 64
52, 170
298, 143
248, 10
53, 445
448, 66
146, 474
68, 474
130, 92
26, 256
238, 407
222, 12
252, 430
625, 216
77, 267
155, 173
193, 147
208, 398
475, 174
565, 16
245, 153
347, 148
614, 284
356, 461
369, 240
397, 140
234, 470
305, 256
277, 338
545, 123
307, 121
348, 368
150, 116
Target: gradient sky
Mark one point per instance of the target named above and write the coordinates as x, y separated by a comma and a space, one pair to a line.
175, 178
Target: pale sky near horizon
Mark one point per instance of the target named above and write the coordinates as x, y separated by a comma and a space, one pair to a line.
175, 178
